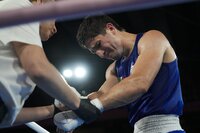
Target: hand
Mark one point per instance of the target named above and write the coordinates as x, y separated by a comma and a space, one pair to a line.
60, 105
67, 121
89, 110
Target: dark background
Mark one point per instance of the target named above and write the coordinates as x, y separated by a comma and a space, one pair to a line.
180, 23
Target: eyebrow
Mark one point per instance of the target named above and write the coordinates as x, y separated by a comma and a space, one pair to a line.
93, 49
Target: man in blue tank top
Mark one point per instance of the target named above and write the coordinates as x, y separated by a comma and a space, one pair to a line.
144, 75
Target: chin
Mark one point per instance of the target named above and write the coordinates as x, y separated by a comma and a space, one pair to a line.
45, 38
110, 58
116, 58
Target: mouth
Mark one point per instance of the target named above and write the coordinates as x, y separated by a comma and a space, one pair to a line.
107, 55
107, 52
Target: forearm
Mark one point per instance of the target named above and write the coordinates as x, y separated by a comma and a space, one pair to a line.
50, 81
44, 74
122, 94
105, 88
29, 114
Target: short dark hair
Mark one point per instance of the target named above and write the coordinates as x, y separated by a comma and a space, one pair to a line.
92, 26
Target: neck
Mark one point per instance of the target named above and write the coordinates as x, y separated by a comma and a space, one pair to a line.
128, 41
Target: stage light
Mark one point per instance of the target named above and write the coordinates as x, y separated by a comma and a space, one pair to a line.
80, 72
75, 71
67, 73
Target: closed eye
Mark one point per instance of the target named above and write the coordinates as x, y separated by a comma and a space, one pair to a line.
96, 47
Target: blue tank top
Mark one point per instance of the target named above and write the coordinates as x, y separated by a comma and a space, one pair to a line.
164, 95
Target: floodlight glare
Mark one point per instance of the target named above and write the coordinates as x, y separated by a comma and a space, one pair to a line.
67, 73
80, 72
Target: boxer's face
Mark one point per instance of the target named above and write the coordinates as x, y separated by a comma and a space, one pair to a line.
47, 29
106, 46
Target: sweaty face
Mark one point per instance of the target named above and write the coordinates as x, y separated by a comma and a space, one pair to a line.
106, 46
47, 29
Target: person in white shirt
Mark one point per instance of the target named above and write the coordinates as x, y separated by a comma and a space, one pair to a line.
23, 65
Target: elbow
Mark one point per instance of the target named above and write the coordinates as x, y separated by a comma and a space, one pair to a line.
144, 85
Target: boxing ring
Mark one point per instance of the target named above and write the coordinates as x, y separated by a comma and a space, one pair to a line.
36, 127
75, 9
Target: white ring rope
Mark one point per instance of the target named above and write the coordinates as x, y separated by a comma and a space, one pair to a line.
71, 9
36, 127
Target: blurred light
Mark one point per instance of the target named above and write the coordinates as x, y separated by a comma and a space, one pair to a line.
80, 72
67, 73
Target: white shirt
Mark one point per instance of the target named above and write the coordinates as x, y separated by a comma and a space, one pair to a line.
15, 85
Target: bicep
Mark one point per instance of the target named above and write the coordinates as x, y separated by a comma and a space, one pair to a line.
151, 53
111, 79
29, 55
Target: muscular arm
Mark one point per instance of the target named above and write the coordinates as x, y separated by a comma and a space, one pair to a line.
152, 48
111, 80
44, 74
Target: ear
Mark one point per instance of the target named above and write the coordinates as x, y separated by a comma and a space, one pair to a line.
110, 26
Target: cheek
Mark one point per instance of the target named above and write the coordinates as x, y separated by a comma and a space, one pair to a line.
42, 30
44, 35
46, 31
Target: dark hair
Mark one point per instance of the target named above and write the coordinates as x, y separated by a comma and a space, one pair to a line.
92, 26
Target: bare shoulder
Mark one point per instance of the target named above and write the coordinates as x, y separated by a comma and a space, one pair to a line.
156, 39
154, 36
153, 39
153, 32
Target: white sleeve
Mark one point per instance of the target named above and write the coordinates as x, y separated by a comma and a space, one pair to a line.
26, 33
